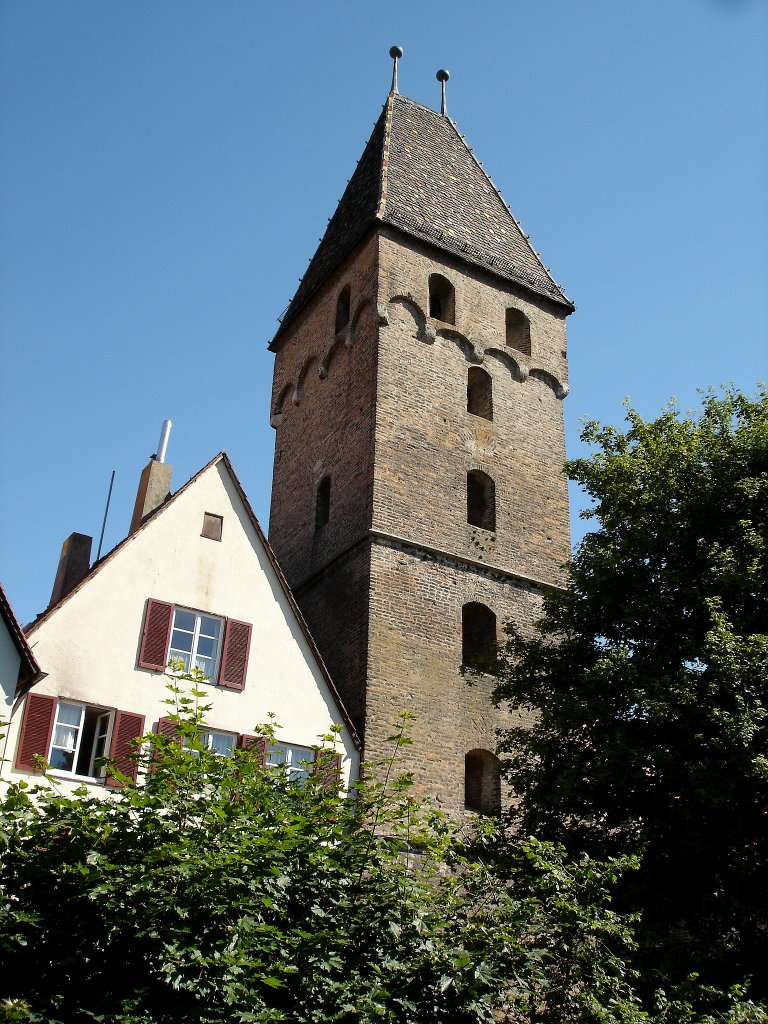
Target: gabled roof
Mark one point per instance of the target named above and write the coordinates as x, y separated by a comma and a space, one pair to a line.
418, 174
29, 670
147, 523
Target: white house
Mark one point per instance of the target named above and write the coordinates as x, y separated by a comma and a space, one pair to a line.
195, 580
18, 667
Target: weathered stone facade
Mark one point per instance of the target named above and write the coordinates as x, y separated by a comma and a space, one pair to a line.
380, 409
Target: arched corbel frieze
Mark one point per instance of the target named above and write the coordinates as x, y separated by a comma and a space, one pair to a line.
346, 336
560, 389
278, 416
424, 329
298, 394
515, 366
361, 307
471, 352
329, 356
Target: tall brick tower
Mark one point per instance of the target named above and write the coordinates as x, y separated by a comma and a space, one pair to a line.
419, 499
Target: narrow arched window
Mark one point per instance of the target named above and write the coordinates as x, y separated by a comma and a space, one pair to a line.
481, 500
518, 331
482, 782
478, 637
323, 502
442, 299
480, 393
342, 308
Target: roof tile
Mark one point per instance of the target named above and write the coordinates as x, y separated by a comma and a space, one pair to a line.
418, 174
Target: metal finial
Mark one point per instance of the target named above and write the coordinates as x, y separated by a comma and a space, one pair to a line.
395, 52
442, 76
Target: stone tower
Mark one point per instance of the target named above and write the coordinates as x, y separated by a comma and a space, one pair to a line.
419, 499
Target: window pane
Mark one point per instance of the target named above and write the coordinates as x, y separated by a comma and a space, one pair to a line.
61, 760
99, 743
205, 665
65, 736
221, 743
181, 641
210, 627
206, 647
276, 754
301, 761
195, 641
182, 656
69, 714
299, 754
184, 620
296, 760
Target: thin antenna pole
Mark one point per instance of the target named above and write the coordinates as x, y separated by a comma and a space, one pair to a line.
106, 513
442, 76
395, 52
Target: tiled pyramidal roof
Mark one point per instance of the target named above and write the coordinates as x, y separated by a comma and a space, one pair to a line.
418, 174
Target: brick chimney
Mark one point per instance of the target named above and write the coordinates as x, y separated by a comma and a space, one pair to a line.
155, 482
154, 488
74, 562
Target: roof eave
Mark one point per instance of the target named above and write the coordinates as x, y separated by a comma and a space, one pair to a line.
287, 320
461, 254
29, 670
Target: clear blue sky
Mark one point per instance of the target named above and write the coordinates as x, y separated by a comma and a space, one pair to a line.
168, 167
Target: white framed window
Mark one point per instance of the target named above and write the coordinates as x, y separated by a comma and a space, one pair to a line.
297, 761
80, 739
222, 743
196, 641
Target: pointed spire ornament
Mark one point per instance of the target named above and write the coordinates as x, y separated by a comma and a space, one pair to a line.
395, 52
442, 76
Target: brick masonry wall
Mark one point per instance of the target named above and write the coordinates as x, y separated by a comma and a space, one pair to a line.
335, 603
323, 409
388, 422
426, 441
415, 659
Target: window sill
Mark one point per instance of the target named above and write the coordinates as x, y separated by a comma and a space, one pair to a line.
79, 779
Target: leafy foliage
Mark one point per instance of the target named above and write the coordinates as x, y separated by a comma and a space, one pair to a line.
648, 677
222, 890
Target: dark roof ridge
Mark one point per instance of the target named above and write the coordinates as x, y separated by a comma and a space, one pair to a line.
387, 114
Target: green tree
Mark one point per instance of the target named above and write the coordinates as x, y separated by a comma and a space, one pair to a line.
222, 890
648, 679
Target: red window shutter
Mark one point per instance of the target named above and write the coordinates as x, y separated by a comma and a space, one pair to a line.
329, 767
126, 728
156, 636
234, 661
251, 742
36, 730
166, 727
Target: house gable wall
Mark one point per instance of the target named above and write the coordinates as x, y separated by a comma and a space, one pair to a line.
90, 643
